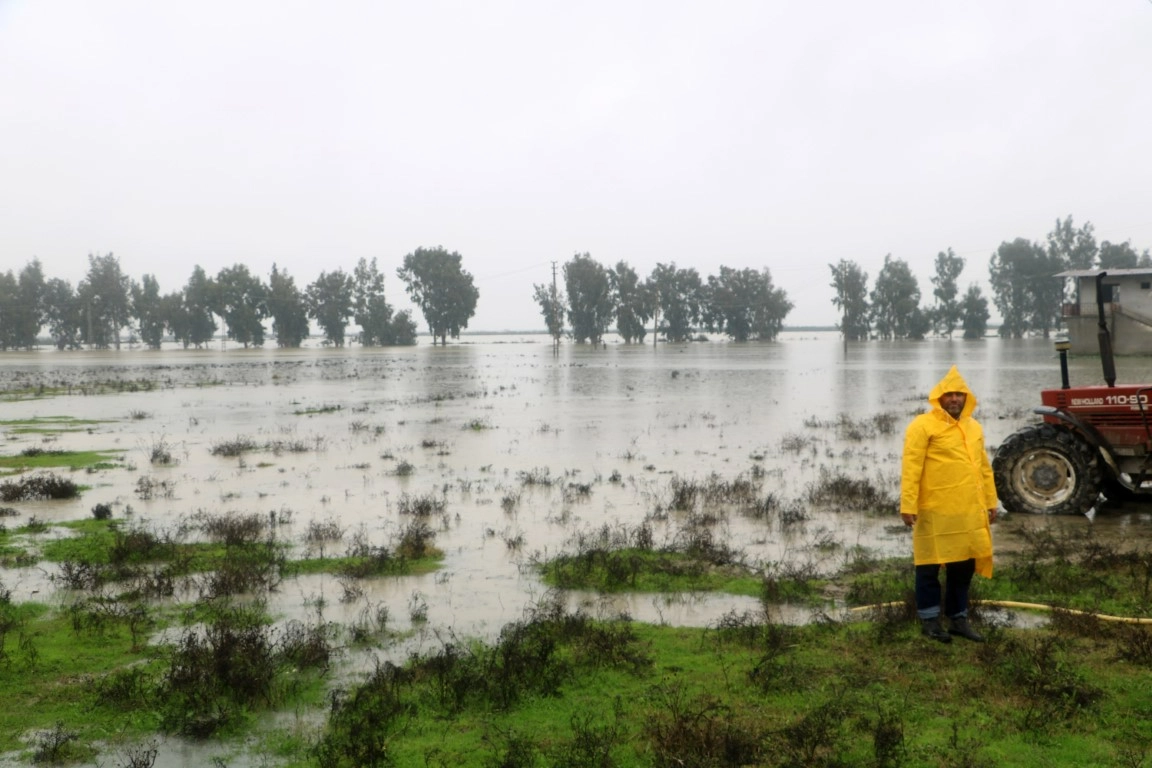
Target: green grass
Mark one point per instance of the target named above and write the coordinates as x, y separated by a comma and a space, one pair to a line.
71, 459
114, 542
366, 566
48, 675
754, 693
645, 570
316, 410
45, 424
95, 387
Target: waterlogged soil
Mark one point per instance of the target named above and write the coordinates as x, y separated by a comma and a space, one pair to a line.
528, 448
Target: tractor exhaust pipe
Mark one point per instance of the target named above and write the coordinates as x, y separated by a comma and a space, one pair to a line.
1107, 360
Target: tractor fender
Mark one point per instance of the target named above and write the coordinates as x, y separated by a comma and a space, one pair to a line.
1092, 437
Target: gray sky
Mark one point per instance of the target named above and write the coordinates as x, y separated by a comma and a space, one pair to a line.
774, 134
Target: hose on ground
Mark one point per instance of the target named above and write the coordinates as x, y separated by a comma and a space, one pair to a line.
1026, 606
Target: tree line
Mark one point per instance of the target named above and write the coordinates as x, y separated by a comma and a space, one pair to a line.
107, 304
1022, 275
744, 304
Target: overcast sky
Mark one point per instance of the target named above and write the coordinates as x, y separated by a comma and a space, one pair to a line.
786, 135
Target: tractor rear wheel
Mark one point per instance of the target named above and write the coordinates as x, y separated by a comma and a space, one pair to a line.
1047, 470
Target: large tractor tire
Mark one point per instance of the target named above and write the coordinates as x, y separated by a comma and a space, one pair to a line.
1047, 470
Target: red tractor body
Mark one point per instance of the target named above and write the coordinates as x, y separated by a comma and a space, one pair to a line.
1089, 438
1119, 415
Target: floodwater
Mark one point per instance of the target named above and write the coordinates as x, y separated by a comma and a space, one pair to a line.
527, 447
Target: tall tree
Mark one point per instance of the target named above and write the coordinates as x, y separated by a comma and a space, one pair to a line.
9, 307
198, 302
26, 315
744, 304
176, 317
851, 285
330, 301
975, 313
442, 290
288, 309
1047, 293
62, 314
1121, 256
1025, 288
372, 312
1074, 246
242, 302
104, 295
678, 299
148, 310
590, 302
633, 304
895, 300
402, 329
769, 313
551, 303
947, 313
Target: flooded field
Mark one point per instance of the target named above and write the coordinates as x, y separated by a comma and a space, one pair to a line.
519, 450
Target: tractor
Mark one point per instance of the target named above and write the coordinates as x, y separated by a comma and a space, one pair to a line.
1090, 438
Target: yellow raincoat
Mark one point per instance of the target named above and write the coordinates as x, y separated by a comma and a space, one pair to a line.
946, 481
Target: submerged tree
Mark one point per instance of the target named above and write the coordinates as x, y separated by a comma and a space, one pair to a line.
633, 303
62, 314
590, 304
677, 297
148, 309
1025, 288
21, 306
896, 310
552, 308
242, 301
975, 313
330, 304
947, 313
104, 297
197, 304
288, 308
744, 304
851, 285
442, 290
373, 313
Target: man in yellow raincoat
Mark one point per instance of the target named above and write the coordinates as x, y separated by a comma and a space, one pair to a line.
948, 498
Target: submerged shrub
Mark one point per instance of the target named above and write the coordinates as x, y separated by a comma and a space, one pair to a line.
233, 447
421, 506
38, 487
842, 492
234, 529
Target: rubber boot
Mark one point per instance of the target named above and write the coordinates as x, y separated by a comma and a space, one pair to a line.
959, 626
931, 628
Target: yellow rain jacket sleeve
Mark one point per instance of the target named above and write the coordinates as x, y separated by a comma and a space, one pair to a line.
946, 481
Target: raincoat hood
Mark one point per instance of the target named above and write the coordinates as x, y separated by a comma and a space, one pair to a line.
952, 382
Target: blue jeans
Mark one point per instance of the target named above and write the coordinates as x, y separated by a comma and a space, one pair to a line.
959, 578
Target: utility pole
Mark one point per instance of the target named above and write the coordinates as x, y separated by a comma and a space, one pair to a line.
555, 324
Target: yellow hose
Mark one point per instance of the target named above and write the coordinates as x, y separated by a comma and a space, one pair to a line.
1029, 606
